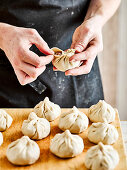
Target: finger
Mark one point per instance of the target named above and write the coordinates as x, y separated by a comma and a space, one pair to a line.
84, 69
46, 60
92, 50
82, 42
32, 58
31, 70
78, 57
55, 69
41, 44
22, 77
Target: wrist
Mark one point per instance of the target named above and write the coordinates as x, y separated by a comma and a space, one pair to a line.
4, 30
96, 20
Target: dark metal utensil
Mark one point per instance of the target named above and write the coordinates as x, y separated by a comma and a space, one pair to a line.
38, 86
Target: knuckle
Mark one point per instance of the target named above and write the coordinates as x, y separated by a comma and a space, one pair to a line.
35, 74
32, 31
38, 63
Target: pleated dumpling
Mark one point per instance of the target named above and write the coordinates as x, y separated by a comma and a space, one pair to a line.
1, 138
101, 157
66, 145
5, 120
74, 120
101, 112
35, 127
23, 151
47, 109
102, 132
61, 59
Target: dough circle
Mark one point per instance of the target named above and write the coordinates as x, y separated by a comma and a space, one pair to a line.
101, 112
101, 157
5, 120
35, 127
47, 109
74, 120
23, 151
66, 145
61, 59
102, 132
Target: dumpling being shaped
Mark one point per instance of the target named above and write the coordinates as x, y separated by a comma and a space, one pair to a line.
101, 157
1, 138
23, 151
35, 127
102, 132
5, 120
74, 120
101, 112
47, 109
66, 145
61, 59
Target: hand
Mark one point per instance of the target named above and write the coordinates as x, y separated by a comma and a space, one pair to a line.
87, 40
26, 64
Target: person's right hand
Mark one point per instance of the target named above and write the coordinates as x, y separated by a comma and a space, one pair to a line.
27, 65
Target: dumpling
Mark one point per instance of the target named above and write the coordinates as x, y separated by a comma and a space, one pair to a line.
5, 120
102, 132
74, 120
61, 59
1, 138
101, 112
66, 145
48, 110
101, 157
35, 127
23, 151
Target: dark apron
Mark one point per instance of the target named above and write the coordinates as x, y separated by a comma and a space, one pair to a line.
55, 20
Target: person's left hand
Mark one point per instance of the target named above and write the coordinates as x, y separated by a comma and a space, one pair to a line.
87, 40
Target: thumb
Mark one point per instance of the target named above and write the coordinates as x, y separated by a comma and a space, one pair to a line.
41, 44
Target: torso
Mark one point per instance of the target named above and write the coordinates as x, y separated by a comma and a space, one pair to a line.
55, 21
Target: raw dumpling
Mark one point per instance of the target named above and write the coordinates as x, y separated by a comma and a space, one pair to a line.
1, 138
66, 145
5, 120
48, 110
102, 132
61, 59
101, 157
101, 112
35, 127
23, 151
74, 120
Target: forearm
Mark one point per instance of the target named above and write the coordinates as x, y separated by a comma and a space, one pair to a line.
103, 10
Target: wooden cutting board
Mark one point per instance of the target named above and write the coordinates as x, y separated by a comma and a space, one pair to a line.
47, 160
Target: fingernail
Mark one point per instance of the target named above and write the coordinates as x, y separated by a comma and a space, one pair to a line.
52, 52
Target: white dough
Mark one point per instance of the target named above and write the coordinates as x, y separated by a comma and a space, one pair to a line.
101, 157
23, 151
101, 112
1, 138
74, 120
47, 109
61, 59
66, 145
102, 132
5, 120
35, 127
